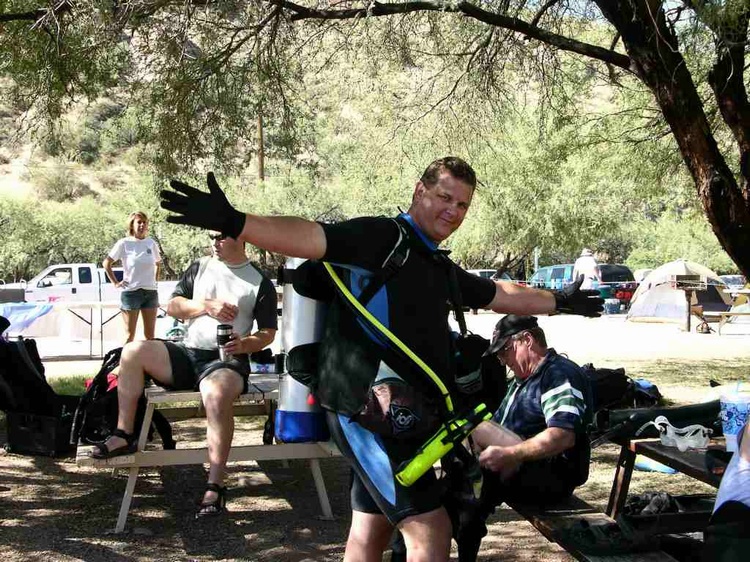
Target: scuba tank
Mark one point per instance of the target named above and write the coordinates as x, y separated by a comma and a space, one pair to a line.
299, 418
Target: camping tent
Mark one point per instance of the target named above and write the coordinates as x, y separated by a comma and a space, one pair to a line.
656, 300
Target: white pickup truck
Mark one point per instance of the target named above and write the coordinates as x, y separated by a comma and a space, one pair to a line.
79, 282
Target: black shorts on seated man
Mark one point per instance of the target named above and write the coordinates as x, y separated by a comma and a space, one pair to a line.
535, 449
223, 289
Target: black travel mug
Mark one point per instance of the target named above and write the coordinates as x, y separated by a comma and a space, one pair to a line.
223, 337
279, 361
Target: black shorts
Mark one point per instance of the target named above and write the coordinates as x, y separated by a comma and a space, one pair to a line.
539, 482
374, 459
190, 366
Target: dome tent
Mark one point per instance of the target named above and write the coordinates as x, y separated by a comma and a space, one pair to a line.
656, 300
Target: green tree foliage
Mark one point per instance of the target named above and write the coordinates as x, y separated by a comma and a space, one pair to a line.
34, 236
58, 182
672, 237
545, 99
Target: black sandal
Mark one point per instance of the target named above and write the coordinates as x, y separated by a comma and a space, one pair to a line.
104, 452
216, 507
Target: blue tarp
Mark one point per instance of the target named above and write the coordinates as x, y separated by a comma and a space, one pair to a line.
22, 314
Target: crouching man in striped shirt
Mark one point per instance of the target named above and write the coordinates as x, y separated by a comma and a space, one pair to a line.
536, 447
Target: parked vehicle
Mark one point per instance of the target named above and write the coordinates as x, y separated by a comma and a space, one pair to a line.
79, 282
490, 274
552, 276
734, 282
617, 282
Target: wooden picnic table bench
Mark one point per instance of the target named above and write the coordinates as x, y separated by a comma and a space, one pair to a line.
259, 400
570, 522
723, 316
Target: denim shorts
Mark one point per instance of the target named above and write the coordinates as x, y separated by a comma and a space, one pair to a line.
139, 299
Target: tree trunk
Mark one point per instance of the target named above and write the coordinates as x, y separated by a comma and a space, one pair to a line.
658, 63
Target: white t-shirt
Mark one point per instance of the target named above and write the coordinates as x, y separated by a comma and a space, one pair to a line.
139, 259
587, 266
242, 285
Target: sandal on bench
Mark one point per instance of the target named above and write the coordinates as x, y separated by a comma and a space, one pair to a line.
104, 452
216, 507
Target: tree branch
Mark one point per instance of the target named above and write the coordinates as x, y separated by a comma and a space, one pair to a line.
21, 16
61, 7
542, 11
376, 9
727, 82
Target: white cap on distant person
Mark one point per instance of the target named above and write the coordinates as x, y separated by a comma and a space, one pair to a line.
586, 252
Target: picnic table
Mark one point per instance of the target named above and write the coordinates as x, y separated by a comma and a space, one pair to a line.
261, 399
691, 462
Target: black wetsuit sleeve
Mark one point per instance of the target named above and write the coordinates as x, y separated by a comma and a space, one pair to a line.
265, 306
186, 283
364, 242
476, 292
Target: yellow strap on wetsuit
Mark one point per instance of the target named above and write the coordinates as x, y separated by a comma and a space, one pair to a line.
451, 432
390, 335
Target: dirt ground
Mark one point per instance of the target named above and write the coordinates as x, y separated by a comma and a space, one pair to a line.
52, 510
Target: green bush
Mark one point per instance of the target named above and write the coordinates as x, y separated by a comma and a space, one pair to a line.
88, 147
59, 183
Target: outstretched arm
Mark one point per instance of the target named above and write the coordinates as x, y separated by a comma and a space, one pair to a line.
511, 298
291, 236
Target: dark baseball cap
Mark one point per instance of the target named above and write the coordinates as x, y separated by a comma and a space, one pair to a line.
509, 325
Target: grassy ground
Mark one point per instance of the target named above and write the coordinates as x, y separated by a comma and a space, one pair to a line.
56, 511
71, 385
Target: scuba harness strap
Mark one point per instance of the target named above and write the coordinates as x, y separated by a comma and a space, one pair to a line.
395, 260
388, 337
455, 427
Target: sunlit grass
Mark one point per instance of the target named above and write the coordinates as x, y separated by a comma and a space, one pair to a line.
689, 373
72, 385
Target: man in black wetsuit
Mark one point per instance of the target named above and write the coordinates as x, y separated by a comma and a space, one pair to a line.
413, 305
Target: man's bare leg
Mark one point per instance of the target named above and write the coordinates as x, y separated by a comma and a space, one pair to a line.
369, 535
490, 433
137, 358
427, 536
218, 391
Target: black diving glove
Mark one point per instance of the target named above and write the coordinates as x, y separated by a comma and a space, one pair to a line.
574, 300
211, 210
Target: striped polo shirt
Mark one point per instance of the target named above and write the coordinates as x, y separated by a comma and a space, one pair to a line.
556, 394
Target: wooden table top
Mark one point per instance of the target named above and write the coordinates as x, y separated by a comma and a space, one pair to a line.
691, 462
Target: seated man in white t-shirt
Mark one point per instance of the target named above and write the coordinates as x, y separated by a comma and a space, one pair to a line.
727, 537
224, 289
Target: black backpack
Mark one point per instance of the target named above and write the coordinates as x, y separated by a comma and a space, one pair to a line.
37, 418
612, 389
96, 415
23, 387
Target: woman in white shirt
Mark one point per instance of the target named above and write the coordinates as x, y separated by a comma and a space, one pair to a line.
140, 261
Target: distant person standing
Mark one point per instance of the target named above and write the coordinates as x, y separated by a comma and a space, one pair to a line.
140, 259
586, 265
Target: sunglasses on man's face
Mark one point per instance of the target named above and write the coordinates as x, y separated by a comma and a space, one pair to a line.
217, 236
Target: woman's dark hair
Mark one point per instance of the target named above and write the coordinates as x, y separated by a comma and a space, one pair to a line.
457, 167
